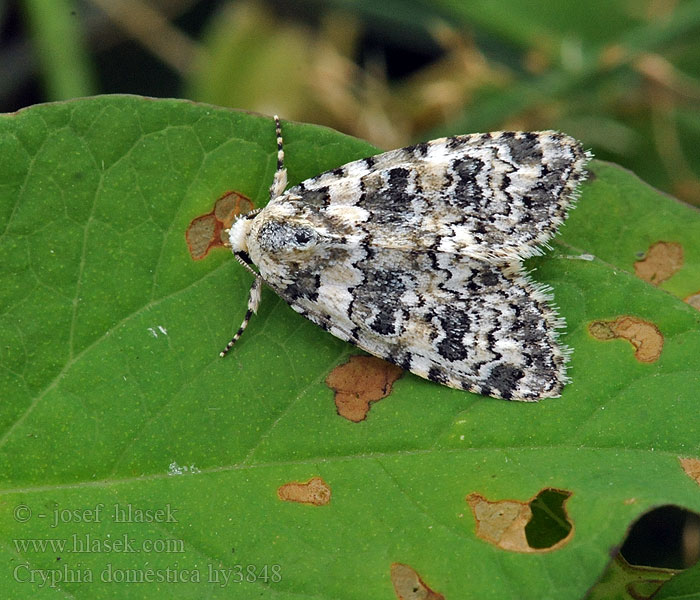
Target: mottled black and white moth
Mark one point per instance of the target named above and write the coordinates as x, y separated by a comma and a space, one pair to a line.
415, 256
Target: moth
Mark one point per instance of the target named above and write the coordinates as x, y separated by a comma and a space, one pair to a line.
415, 256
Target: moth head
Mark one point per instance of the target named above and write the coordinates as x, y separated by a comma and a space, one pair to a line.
286, 236
238, 234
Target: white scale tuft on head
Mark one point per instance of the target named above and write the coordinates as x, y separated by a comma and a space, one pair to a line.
238, 234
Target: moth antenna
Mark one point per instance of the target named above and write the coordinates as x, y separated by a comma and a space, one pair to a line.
279, 182
253, 302
252, 213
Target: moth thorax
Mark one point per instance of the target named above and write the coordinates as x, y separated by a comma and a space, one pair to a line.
277, 236
238, 234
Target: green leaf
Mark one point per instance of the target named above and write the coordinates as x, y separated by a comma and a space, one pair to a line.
114, 395
684, 586
623, 581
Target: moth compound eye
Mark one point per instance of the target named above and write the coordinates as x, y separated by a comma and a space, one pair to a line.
303, 237
277, 236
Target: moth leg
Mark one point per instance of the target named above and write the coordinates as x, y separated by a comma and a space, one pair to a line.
244, 259
253, 302
280, 180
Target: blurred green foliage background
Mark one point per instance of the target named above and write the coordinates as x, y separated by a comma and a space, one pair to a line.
621, 75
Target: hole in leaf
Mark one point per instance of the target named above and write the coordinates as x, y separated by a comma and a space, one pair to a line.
666, 537
538, 525
549, 523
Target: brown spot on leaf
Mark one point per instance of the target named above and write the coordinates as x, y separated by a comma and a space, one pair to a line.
643, 335
200, 235
692, 468
694, 300
315, 491
504, 523
662, 260
409, 586
208, 231
361, 380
